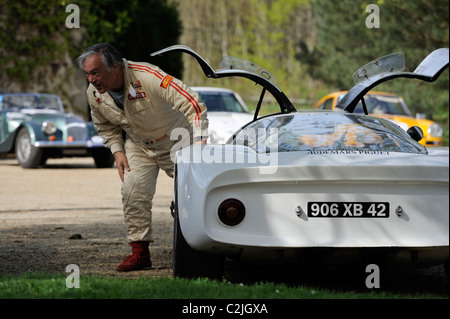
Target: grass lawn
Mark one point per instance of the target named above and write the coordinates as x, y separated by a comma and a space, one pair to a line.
43, 286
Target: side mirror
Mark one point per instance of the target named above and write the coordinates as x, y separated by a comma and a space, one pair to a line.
415, 132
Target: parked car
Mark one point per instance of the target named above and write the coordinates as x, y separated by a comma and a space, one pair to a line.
392, 107
313, 187
227, 112
35, 127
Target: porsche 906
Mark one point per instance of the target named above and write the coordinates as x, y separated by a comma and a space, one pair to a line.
333, 185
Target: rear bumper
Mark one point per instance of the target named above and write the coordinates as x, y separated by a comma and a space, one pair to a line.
329, 256
272, 220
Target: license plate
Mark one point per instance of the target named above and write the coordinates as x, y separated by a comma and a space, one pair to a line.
349, 209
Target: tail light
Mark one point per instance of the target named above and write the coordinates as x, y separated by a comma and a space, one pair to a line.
231, 212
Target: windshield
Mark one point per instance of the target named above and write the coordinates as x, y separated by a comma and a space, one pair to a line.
326, 132
30, 101
383, 104
221, 102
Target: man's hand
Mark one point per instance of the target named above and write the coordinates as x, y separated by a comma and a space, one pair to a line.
121, 163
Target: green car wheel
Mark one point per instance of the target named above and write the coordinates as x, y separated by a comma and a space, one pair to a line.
27, 155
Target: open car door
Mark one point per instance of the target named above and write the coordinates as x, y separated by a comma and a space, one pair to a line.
390, 67
233, 66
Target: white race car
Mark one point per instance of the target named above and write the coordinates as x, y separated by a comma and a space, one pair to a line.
227, 112
314, 184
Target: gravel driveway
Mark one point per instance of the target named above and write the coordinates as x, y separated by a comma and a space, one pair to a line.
70, 212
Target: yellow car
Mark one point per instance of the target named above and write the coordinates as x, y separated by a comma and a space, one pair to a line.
392, 107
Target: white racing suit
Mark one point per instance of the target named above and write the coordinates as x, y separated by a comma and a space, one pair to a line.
155, 103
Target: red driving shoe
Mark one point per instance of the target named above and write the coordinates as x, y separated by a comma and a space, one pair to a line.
138, 260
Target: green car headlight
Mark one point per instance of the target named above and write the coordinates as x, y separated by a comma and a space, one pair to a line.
435, 130
48, 127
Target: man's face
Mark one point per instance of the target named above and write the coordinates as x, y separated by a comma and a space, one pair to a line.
100, 76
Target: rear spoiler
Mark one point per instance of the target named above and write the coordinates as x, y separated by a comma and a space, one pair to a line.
391, 67
263, 78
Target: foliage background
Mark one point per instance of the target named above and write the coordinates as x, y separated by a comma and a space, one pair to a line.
311, 47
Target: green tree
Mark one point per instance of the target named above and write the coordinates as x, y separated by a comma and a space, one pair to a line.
136, 28
344, 43
31, 35
263, 31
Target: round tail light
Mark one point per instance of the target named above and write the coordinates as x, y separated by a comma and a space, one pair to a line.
231, 212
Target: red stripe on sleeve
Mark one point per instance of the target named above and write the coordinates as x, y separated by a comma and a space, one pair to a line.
190, 99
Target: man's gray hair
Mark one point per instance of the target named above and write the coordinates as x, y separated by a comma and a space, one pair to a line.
109, 54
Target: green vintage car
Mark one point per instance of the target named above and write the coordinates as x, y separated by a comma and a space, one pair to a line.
35, 127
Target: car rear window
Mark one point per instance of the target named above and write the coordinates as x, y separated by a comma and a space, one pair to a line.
326, 131
221, 102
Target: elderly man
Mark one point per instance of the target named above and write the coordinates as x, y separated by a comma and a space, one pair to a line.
134, 107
